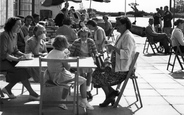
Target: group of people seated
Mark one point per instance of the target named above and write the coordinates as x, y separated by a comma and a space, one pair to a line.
83, 44
167, 42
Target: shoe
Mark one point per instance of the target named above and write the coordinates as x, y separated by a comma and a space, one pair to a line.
86, 105
89, 96
11, 96
33, 98
107, 102
63, 106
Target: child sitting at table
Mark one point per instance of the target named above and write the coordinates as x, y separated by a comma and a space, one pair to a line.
84, 47
59, 72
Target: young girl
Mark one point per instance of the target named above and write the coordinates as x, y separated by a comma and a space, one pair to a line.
59, 71
84, 47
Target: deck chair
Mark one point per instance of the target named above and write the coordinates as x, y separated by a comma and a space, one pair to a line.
122, 86
45, 85
177, 55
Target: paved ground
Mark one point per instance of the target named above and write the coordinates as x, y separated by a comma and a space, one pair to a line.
162, 92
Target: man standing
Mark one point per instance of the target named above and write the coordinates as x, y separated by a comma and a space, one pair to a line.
167, 21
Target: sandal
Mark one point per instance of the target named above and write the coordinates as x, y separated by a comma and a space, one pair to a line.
63, 106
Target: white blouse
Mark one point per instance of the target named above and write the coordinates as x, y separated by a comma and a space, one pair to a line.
127, 47
177, 37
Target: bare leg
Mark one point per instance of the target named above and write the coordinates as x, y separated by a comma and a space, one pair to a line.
83, 90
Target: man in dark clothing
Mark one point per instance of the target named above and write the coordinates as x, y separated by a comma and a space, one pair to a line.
155, 37
167, 21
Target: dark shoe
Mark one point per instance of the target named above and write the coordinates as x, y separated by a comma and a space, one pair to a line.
34, 98
107, 102
11, 96
89, 96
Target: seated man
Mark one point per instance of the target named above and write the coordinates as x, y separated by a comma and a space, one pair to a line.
157, 37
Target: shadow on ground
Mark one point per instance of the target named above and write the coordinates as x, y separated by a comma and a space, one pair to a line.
178, 74
110, 111
22, 106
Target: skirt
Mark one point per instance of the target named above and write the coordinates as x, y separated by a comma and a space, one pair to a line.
14, 74
101, 79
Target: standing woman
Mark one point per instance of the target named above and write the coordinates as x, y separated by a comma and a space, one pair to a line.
124, 51
108, 25
10, 56
177, 37
98, 36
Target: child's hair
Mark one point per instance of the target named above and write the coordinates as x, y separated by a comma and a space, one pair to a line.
84, 29
60, 42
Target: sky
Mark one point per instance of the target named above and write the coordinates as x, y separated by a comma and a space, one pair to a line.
119, 5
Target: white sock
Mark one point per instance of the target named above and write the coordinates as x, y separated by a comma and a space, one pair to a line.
84, 100
88, 88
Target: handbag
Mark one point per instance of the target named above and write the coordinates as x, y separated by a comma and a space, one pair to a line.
99, 61
113, 59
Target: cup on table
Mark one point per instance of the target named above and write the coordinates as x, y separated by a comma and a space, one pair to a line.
28, 55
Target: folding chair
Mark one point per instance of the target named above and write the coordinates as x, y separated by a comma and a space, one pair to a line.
149, 42
45, 85
177, 54
130, 75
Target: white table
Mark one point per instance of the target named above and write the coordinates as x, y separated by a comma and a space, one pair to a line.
83, 63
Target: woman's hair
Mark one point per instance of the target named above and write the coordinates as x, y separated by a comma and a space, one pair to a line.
84, 29
60, 42
36, 28
92, 22
125, 20
10, 23
178, 21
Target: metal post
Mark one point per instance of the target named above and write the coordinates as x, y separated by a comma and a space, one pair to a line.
125, 7
33, 7
6, 9
90, 4
174, 14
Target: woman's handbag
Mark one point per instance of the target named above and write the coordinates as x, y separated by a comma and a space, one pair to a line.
113, 59
99, 61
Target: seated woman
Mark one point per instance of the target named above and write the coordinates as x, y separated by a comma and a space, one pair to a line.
84, 47
37, 47
177, 37
59, 72
124, 51
10, 56
36, 44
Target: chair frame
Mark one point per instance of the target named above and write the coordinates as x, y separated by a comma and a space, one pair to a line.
75, 101
152, 45
130, 75
176, 56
